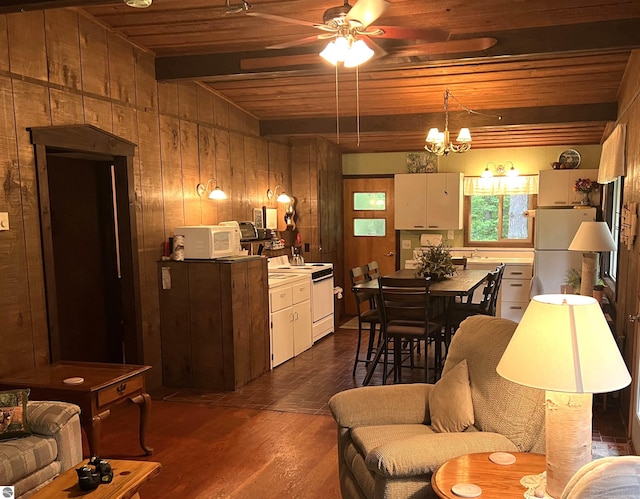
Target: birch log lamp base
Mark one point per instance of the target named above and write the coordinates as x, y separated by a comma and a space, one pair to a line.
590, 238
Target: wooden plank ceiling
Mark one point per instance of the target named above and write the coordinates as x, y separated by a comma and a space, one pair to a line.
551, 76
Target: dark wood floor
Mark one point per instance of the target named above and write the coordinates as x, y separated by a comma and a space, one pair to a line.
270, 439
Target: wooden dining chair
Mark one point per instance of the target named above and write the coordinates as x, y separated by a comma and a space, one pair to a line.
373, 271
404, 310
368, 316
460, 262
486, 306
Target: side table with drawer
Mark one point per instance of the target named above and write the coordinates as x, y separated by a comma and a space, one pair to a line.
95, 387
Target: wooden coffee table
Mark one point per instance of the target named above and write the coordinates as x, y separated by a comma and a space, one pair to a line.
495, 480
104, 386
128, 477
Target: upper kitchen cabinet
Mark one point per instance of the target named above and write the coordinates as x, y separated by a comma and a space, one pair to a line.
556, 187
430, 201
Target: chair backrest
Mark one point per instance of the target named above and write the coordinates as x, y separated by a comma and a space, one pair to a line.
404, 299
499, 405
491, 290
460, 261
359, 275
372, 270
496, 291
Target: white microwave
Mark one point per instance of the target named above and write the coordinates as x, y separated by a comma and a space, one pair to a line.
205, 242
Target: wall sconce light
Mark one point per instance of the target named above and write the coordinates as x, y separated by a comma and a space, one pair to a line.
509, 171
282, 197
216, 193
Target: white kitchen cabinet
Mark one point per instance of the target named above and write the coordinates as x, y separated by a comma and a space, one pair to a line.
290, 324
555, 187
428, 201
514, 290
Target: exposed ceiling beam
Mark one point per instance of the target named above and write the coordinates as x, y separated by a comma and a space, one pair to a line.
288, 62
408, 122
9, 6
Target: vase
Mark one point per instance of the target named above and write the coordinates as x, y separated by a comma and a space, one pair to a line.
586, 200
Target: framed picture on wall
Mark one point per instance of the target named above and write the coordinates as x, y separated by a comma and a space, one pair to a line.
258, 218
271, 218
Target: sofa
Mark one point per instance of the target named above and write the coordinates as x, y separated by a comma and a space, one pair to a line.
392, 438
54, 446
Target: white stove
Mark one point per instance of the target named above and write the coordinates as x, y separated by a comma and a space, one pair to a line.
321, 276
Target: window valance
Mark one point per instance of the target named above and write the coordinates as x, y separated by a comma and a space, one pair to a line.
497, 186
612, 156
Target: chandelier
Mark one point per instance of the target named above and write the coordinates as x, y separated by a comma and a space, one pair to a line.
439, 142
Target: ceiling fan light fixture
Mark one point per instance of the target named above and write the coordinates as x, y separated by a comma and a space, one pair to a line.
333, 52
138, 4
359, 53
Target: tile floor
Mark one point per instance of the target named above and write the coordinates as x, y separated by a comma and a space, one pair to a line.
306, 383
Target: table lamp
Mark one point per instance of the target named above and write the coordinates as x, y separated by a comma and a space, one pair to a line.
590, 238
564, 346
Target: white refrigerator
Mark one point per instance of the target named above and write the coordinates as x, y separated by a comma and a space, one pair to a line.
555, 228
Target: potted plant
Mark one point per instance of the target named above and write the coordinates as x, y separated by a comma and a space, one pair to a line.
435, 262
598, 290
574, 278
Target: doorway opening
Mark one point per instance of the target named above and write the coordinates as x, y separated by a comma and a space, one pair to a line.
86, 195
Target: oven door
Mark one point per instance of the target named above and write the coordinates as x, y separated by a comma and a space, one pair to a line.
322, 296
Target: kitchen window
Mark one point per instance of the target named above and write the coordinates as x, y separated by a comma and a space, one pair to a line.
496, 211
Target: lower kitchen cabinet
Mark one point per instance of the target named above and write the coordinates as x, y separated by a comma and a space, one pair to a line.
214, 321
290, 313
515, 290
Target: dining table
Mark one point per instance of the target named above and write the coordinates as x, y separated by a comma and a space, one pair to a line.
461, 284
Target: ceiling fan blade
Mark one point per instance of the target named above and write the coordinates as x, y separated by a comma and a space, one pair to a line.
367, 11
296, 43
285, 19
450, 47
424, 34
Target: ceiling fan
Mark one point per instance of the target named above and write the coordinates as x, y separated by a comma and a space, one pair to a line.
355, 21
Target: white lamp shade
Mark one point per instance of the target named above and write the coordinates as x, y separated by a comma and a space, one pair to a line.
563, 343
432, 136
464, 135
283, 198
359, 53
336, 50
593, 236
217, 193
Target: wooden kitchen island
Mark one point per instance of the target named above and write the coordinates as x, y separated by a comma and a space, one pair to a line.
214, 319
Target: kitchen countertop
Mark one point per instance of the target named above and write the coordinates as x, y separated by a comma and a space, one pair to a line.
497, 260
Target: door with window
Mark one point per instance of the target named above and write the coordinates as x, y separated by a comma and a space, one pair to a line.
369, 233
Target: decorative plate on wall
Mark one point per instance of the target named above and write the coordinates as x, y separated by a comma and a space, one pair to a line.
570, 158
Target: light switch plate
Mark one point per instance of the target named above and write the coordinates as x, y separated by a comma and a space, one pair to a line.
406, 244
449, 234
4, 220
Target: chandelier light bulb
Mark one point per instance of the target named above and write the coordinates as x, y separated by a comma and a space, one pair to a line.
359, 53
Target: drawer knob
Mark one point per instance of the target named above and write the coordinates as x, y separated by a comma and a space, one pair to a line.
121, 389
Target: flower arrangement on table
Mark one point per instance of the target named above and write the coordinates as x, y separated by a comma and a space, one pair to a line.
584, 185
435, 262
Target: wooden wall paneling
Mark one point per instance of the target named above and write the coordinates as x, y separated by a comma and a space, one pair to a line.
205, 105
145, 80
207, 346
31, 103
66, 107
176, 324
238, 198
190, 173
151, 235
168, 98
220, 111
301, 188
63, 49
187, 101
207, 163
236, 119
16, 353
258, 310
94, 58
223, 173
125, 124
121, 69
26, 42
252, 126
4, 43
251, 176
98, 112
171, 173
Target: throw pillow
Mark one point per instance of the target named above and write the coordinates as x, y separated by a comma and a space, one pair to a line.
450, 403
13, 414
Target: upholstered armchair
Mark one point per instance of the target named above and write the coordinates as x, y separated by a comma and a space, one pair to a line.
614, 476
392, 438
